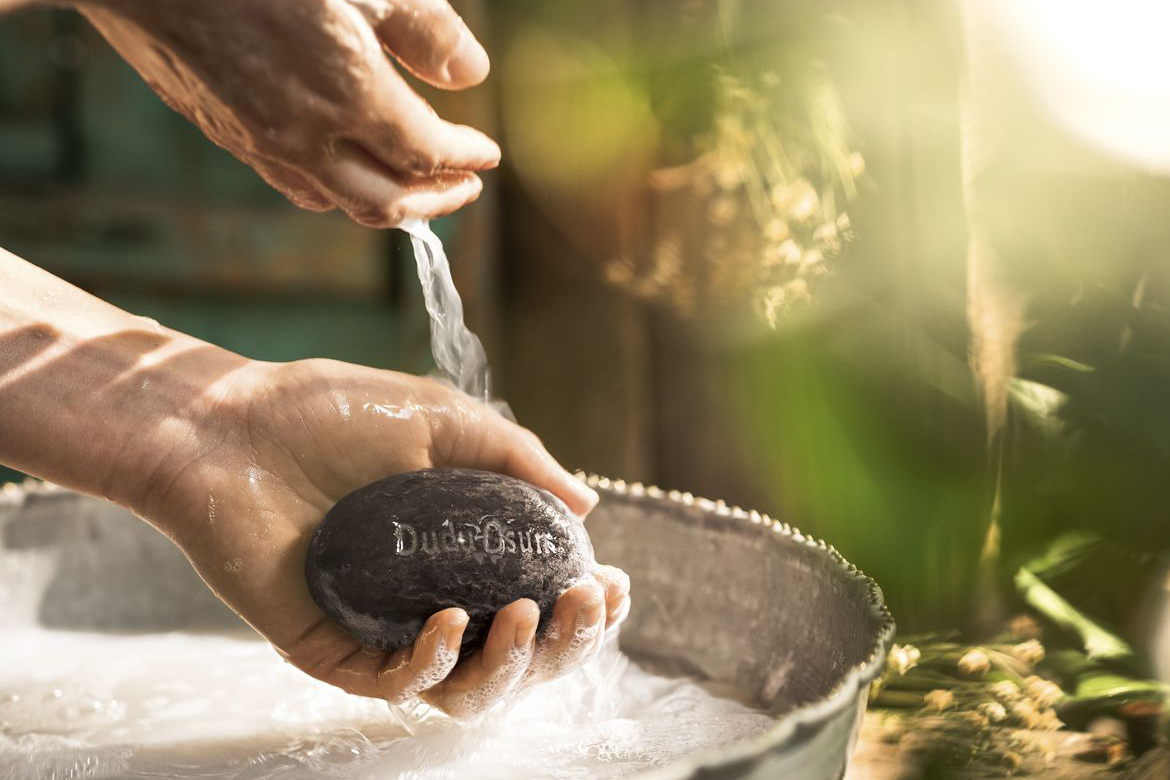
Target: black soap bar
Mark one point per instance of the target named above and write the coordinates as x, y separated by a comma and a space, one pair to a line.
391, 554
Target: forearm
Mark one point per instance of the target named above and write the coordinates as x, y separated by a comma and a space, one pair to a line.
93, 397
12, 5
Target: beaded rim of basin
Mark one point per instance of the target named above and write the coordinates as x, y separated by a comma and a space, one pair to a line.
847, 691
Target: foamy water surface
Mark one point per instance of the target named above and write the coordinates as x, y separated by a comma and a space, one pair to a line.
181, 705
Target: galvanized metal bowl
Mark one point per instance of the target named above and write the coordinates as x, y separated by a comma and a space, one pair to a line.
738, 597
726, 594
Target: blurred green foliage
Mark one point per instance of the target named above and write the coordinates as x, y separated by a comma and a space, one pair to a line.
858, 417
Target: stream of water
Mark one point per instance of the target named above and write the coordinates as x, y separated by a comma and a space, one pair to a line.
457, 351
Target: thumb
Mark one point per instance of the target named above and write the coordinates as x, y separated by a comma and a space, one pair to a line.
431, 41
503, 446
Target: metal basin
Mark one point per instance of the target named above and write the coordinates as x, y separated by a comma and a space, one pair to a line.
728, 595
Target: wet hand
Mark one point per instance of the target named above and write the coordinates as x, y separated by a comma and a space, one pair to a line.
513, 657
279, 444
302, 90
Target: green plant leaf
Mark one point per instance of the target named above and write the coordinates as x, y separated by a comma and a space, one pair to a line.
1097, 641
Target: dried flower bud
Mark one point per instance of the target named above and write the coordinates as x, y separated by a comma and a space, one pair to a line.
939, 700
976, 719
811, 257
805, 204
903, 658
1025, 710
728, 175
974, 663
1044, 692
1030, 652
993, 711
777, 231
1005, 691
1049, 721
1024, 627
797, 201
1012, 761
789, 252
856, 164
722, 210
780, 196
618, 272
825, 232
772, 302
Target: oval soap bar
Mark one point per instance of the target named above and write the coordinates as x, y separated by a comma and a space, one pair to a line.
391, 554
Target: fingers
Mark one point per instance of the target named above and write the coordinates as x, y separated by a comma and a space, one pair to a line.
413, 141
401, 129
575, 633
330, 654
616, 584
371, 194
503, 446
393, 157
511, 656
441, 196
410, 672
489, 675
433, 43
297, 188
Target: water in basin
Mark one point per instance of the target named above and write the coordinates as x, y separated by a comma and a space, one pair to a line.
89, 705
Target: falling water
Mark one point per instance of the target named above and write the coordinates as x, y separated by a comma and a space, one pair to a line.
457, 351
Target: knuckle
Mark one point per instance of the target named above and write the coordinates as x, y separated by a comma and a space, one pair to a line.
319, 663
395, 696
377, 215
436, 23
310, 201
422, 161
288, 146
530, 441
395, 214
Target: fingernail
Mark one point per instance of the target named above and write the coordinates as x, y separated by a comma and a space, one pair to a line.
453, 635
525, 633
587, 497
469, 63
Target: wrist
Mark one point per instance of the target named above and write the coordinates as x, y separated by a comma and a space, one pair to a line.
114, 415
97, 399
165, 418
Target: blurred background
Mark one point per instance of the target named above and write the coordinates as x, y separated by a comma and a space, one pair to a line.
891, 271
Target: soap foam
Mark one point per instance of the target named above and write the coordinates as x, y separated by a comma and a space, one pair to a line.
185, 705
554, 654
442, 662
497, 689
